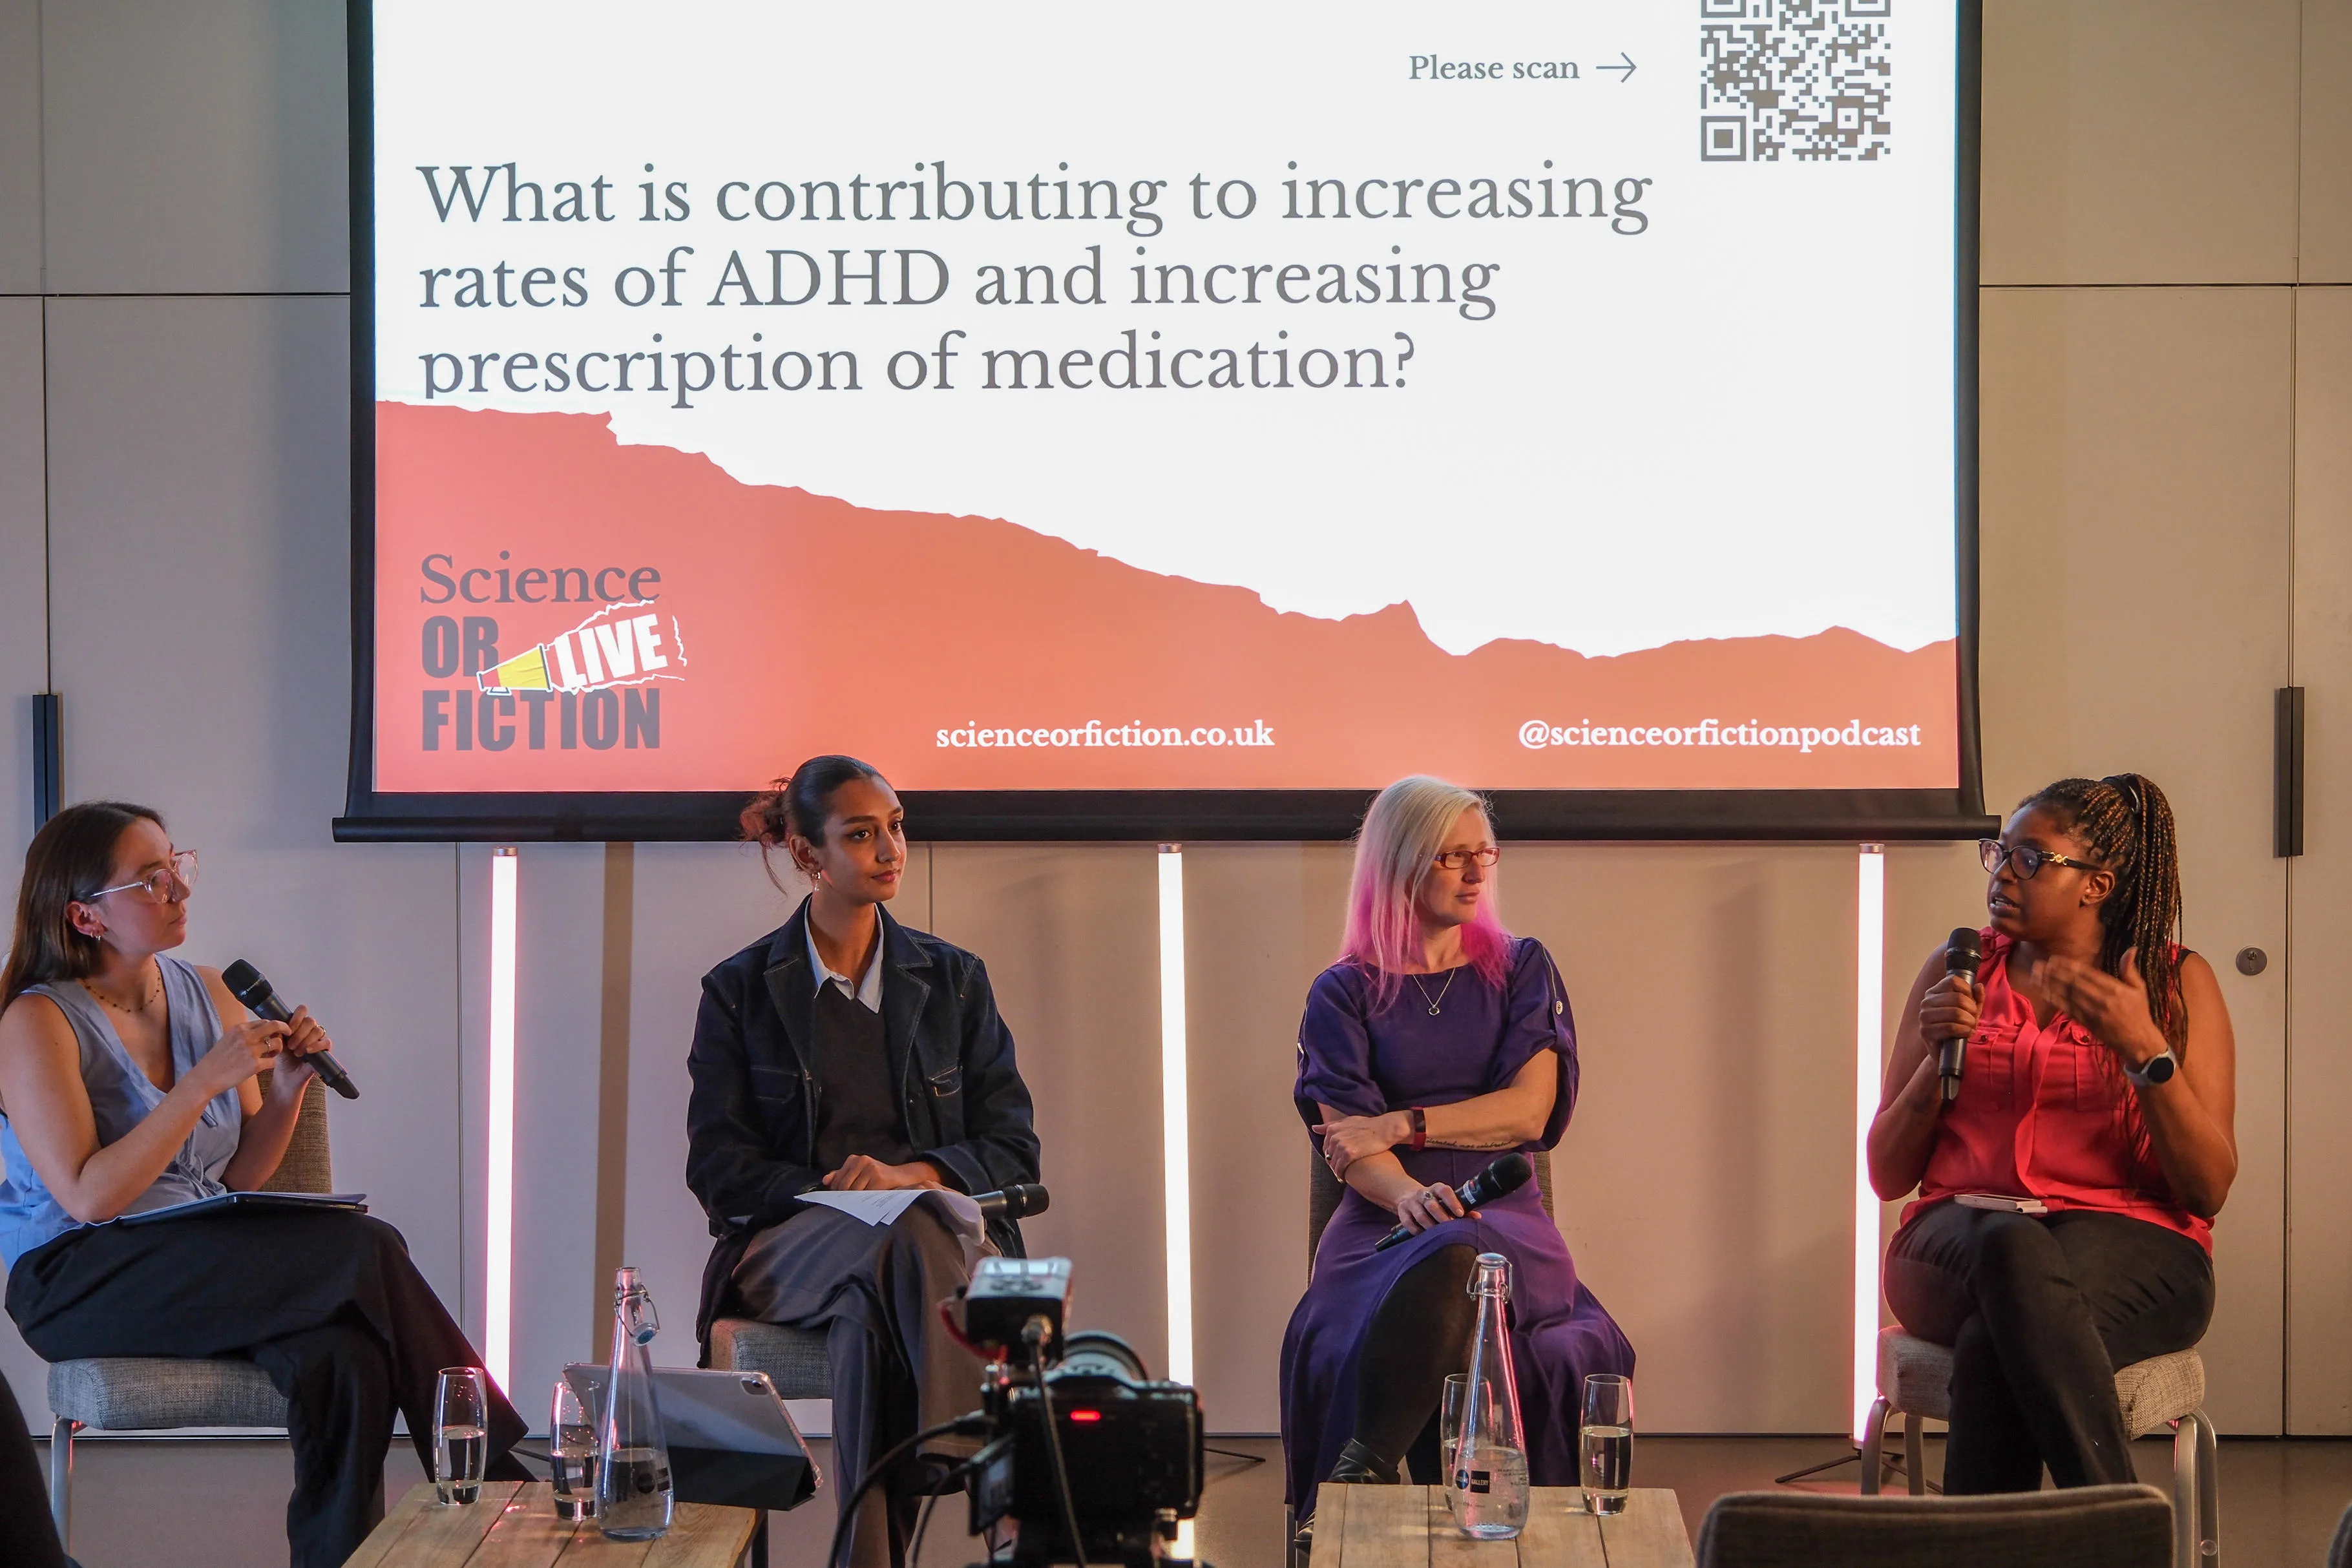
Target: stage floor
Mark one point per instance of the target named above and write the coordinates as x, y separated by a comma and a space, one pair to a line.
224, 1496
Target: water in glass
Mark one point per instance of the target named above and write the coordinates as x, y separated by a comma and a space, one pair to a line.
459, 1456
1608, 1467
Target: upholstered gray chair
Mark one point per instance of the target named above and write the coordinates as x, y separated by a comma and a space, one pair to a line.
156, 1393
2339, 1550
795, 1359
1914, 1377
2088, 1527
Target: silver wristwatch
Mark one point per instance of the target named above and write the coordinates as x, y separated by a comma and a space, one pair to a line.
2157, 1069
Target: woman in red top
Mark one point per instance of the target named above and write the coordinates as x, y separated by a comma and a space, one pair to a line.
2066, 1197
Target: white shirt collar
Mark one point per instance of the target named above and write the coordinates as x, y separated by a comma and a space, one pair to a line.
867, 991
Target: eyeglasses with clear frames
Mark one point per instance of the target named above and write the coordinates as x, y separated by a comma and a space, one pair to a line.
2027, 860
1454, 860
179, 872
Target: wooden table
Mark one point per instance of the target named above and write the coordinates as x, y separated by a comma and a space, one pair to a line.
514, 1526
1409, 1527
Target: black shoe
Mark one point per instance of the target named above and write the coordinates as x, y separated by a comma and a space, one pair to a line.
1357, 1465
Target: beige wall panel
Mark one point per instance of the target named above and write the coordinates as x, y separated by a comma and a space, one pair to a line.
20, 146
1704, 1186
2139, 141
2326, 172
1261, 922
1071, 937
23, 627
195, 147
696, 906
2319, 1353
200, 575
2135, 564
23, 616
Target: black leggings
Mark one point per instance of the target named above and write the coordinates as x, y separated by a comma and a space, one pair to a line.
24, 1525
2039, 1310
1419, 1335
327, 1304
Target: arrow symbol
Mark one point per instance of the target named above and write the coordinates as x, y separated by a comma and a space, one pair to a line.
1628, 68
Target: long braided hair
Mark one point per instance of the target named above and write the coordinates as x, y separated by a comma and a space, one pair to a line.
2126, 825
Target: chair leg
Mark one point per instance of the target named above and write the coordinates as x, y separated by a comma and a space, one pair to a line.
1289, 1537
2209, 1492
1873, 1446
61, 1477
2186, 1492
1914, 1453
756, 1555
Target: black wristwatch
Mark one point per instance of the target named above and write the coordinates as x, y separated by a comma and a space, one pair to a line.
2157, 1069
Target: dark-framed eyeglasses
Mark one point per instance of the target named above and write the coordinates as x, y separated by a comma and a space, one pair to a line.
1454, 860
2024, 859
168, 884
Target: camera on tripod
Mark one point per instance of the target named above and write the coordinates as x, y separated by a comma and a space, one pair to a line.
1087, 1449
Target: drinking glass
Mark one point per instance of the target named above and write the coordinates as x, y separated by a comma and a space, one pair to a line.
1450, 1413
461, 1421
571, 1454
1453, 1418
1607, 1459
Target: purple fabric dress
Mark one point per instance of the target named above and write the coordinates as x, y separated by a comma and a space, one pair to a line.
1366, 1063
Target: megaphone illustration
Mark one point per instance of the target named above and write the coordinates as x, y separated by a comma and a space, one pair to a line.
526, 672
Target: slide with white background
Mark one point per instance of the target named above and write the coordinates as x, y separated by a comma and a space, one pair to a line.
1547, 397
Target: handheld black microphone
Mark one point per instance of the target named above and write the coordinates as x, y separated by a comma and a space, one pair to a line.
1506, 1175
1016, 1202
245, 983
1961, 957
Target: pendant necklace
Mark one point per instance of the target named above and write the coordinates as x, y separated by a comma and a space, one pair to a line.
1433, 1005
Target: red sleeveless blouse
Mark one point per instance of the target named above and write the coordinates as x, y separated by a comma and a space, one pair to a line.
2037, 1116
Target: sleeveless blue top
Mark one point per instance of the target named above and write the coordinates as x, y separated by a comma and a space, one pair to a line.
121, 1096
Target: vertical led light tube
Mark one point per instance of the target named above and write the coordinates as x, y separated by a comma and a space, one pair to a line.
497, 1273
1870, 962
1175, 1114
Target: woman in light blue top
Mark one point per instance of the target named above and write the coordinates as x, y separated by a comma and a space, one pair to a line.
128, 1083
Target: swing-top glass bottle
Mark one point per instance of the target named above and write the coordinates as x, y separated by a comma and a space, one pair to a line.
1487, 1474
633, 1483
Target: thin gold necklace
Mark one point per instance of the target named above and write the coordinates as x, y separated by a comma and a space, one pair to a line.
1433, 1005
145, 1001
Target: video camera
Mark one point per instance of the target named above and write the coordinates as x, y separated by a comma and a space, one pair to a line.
1087, 1449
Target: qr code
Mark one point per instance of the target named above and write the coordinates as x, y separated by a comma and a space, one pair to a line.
1794, 79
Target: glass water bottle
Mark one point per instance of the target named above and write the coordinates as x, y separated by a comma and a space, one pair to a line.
632, 1485
1486, 1476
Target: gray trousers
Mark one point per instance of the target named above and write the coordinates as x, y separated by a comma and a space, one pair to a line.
874, 1291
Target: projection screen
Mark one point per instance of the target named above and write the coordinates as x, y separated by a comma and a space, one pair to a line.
1114, 422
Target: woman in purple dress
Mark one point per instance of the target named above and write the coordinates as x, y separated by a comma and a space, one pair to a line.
1437, 1042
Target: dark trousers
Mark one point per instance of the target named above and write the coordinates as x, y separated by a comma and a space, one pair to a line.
327, 1304
874, 1291
2039, 1310
29, 1539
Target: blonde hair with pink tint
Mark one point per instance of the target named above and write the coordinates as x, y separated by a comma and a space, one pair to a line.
1396, 852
